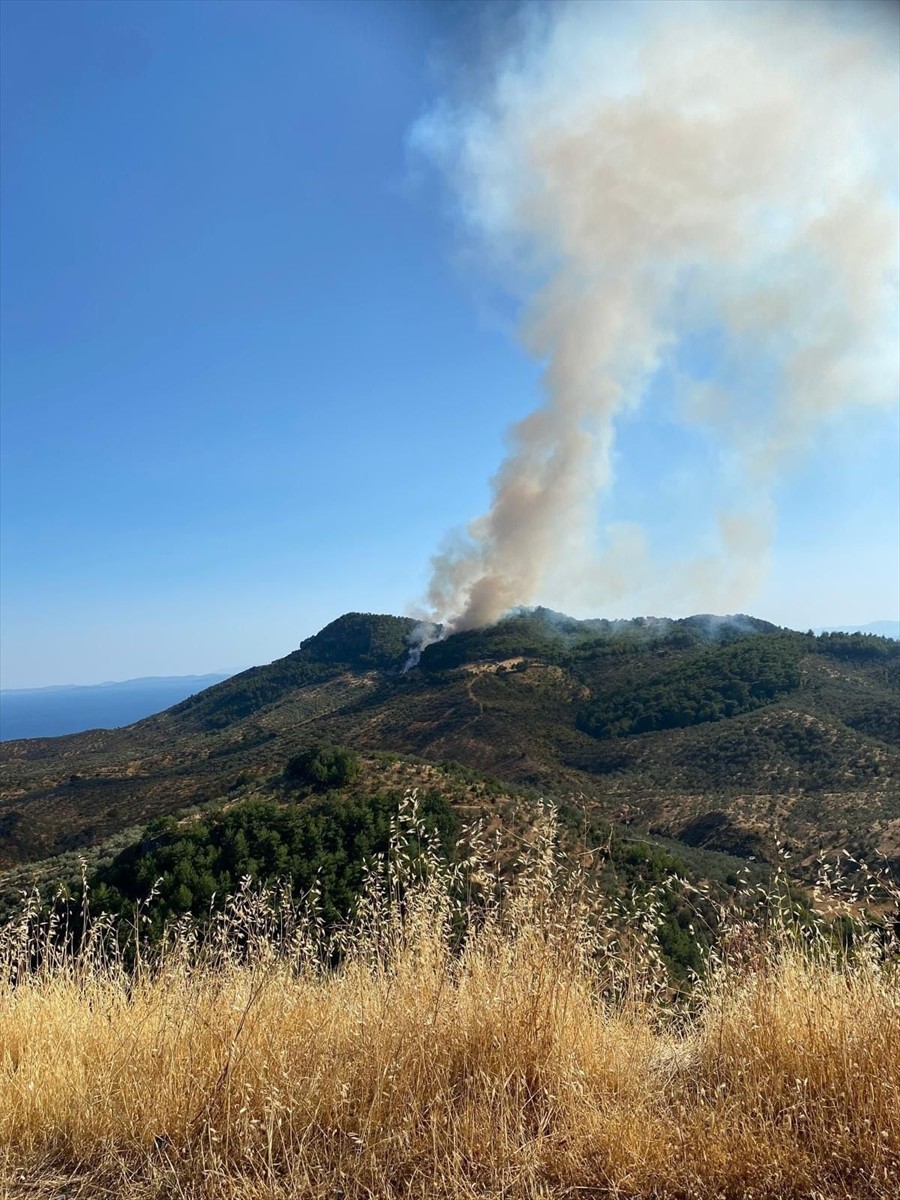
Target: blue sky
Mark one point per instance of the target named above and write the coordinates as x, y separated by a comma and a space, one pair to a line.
250, 376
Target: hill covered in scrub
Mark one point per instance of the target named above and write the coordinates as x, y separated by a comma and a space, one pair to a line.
726, 734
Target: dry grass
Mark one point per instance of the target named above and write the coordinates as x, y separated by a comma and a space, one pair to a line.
505, 1044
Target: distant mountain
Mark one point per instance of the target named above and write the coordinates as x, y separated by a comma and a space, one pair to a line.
724, 732
888, 629
52, 711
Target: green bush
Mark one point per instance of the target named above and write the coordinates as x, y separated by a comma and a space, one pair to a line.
323, 767
328, 844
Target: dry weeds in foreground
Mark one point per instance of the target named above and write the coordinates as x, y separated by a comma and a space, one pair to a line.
536, 1057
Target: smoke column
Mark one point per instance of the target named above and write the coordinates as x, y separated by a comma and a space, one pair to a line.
651, 170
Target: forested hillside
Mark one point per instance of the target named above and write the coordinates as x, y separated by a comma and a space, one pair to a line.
728, 734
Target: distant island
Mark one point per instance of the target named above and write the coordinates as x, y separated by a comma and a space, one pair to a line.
75, 708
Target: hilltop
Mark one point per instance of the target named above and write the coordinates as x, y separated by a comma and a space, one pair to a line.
723, 733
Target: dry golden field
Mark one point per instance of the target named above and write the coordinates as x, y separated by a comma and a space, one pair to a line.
464, 1039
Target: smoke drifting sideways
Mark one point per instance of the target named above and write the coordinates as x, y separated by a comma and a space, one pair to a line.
648, 171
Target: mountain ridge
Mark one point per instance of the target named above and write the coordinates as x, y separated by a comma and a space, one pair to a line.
731, 732
889, 629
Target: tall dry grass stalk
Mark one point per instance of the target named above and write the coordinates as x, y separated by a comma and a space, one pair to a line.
463, 1040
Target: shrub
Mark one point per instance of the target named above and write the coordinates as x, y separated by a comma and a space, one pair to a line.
322, 767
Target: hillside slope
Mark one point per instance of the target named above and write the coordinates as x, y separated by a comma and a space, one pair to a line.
725, 734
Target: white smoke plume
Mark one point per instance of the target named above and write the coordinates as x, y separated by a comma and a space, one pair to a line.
650, 170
